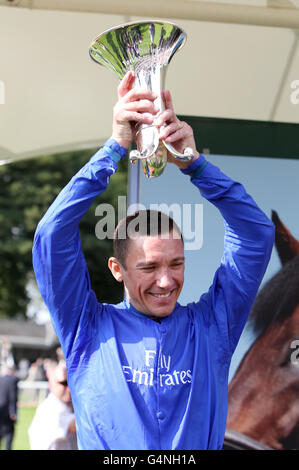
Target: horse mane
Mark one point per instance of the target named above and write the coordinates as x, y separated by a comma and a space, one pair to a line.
278, 298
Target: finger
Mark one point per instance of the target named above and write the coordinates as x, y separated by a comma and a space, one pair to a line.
133, 116
142, 106
166, 116
166, 131
173, 132
126, 84
140, 94
167, 100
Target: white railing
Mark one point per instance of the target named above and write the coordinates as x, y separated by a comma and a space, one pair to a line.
32, 393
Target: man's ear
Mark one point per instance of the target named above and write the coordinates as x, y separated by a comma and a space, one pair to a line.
115, 268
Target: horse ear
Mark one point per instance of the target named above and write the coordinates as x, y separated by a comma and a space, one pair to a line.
286, 244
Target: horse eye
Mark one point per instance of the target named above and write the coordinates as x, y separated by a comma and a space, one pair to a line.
286, 362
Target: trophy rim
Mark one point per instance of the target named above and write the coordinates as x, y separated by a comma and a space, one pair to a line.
131, 23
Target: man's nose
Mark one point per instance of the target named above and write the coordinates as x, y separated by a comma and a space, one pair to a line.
164, 280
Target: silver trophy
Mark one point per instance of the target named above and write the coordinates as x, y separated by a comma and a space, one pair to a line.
146, 48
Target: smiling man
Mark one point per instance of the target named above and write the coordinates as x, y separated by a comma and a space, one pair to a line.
149, 373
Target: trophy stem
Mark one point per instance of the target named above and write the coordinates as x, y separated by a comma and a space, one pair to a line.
149, 146
147, 136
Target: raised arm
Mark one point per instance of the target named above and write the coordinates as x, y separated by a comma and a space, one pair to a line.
248, 241
58, 261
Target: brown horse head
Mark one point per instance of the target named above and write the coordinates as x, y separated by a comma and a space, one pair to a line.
264, 392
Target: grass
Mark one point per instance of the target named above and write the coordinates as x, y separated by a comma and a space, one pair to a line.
21, 439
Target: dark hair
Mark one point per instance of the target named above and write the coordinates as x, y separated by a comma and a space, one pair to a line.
142, 223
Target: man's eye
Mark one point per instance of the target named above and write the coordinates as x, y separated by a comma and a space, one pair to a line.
177, 265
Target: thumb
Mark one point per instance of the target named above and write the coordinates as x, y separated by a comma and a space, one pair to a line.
167, 99
126, 84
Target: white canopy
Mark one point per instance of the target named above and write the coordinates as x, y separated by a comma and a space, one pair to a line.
239, 61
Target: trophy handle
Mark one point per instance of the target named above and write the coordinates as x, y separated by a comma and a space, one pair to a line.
155, 164
183, 157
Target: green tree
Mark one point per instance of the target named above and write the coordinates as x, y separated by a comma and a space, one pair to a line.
27, 188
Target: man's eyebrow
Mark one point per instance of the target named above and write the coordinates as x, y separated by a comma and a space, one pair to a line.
143, 264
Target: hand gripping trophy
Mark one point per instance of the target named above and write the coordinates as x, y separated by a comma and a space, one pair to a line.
146, 48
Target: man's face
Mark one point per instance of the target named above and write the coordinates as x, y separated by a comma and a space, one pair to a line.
154, 274
58, 384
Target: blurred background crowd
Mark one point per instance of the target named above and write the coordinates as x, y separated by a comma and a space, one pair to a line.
36, 410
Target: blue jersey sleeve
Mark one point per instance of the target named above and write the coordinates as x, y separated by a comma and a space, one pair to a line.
59, 265
248, 242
